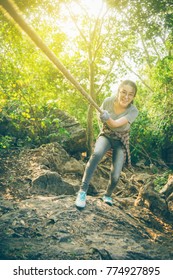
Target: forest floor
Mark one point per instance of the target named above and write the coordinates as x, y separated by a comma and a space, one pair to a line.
41, 222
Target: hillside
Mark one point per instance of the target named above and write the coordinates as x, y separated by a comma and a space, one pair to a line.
39, 220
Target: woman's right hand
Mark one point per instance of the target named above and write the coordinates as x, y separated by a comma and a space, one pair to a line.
104, 116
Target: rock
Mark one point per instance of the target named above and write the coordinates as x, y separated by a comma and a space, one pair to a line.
169, 201
140, 178
50, 227
74, 140
53, 183
73, 166
168, 188
38, 218
170, 206
53, 169
52, 155
151, 199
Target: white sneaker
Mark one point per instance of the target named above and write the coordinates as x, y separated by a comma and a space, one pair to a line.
81, 199
108, 200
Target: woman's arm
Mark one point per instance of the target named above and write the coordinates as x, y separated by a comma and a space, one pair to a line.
117, 123
105, 117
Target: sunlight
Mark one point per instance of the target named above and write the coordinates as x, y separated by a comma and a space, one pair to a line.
89, 8
94, 7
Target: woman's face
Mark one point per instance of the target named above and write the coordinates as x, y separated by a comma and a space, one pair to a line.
126, 95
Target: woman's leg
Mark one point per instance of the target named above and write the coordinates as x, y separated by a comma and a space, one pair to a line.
116, 167
101, 147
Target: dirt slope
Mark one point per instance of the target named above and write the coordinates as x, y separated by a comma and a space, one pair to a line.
38, 219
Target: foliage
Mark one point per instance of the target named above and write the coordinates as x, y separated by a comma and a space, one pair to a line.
161, 180
140, 136
23, 125
5, 142
132, 37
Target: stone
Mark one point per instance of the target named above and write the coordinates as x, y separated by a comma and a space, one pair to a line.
168, 188
39, 220
74, 140
151, 199
53, 183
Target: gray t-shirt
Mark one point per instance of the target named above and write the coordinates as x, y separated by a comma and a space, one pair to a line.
130, 113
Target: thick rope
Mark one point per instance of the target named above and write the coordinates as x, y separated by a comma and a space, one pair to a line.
12, 10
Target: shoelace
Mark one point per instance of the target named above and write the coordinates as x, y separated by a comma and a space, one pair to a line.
82, 196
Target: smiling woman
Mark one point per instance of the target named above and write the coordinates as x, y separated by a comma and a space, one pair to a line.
118, 115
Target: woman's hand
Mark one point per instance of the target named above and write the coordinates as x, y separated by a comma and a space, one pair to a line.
104, 116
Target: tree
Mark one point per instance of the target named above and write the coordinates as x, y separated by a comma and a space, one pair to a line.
100, 42
151, 22
129, 37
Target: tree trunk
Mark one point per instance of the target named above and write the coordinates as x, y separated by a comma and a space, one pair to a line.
90, 130
12, 10
90, 109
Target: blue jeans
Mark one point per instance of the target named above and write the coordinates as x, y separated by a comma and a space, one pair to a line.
103, 144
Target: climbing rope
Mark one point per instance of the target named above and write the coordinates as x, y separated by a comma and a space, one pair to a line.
13, 11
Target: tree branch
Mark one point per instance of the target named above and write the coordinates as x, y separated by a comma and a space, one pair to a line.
138, 76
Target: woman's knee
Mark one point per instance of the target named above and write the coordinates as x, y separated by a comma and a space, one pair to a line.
97, 155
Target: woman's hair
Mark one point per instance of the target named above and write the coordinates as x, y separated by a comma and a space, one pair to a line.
130, 83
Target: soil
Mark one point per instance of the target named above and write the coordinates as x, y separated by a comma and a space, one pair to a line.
39, 220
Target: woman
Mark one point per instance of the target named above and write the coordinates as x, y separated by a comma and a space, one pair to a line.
118, 114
